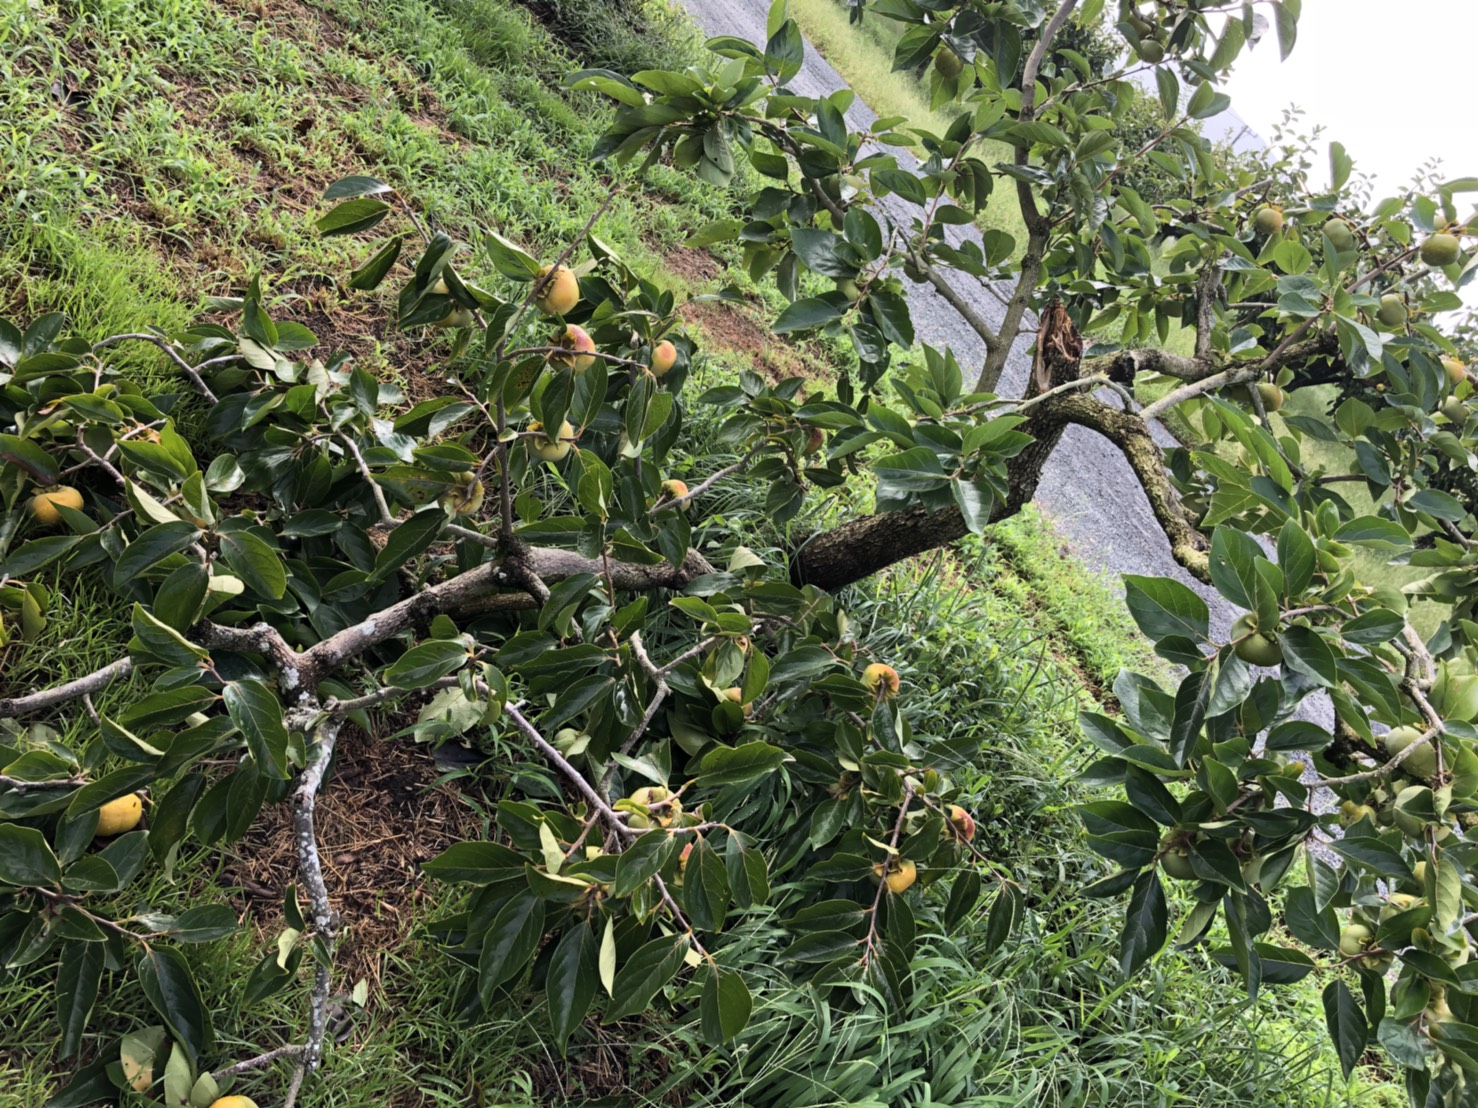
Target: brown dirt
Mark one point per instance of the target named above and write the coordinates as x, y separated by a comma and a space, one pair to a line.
728, 327
379, 817
691, 264
602, 1072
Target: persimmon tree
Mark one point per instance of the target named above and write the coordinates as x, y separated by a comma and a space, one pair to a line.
526, 559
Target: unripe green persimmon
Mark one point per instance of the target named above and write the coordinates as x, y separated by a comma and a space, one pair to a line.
1268, 220
1419, 763
1354, 938
1392, 311
948, 64
1441, 249
1341, 235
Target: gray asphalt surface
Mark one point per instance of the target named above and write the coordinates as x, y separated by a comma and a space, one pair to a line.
1087, 490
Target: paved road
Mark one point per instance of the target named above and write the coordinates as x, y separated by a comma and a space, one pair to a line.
1088, 490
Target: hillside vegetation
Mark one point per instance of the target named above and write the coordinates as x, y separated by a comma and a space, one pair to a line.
161, 153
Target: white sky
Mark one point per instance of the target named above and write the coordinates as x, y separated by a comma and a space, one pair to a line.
1391, 79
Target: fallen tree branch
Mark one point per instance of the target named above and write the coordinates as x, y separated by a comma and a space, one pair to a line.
585, 788
21, 785
325, 919
174, 355
290, 1051
71, 690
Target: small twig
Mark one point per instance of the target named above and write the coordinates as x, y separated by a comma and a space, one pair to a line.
585, 788
22, 786
82, 686
290, 1051
163, 344
691, 652
872, 924
564, 351
697, 490
369, 479
682, 920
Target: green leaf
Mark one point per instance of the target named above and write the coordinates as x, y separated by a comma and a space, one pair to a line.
1373, 854
1169, 89
346, 188
172, 989
1376, 626
26, 857
256, 563
109, 787
426, 663
739, 765
637, 864
368, 276
570, 987
151, 548
508, 259
163, 641
1285, 18
38, 553
1234, 557
510, 942
646, 971
725, 1007
121, 741
31, 458
1163, 607
706, 888
1006, 909
1306, 652
353, 216
181, 597
1340, 163
77, 981
806, 315
203, 923
1283, 965
1435, 502
411, 538
1374, 531
1296, 557
90, 1086
890, 312
1309, 923
475, 863
1145, 923
255, 710
1347, 1026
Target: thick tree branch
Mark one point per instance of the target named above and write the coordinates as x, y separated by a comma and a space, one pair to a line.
1131, 434
1125, 365
477, 590
1208, 284
961, 306
1038, 226
325, 919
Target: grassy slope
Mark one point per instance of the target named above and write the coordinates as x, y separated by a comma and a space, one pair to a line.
865, 59
186, 154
